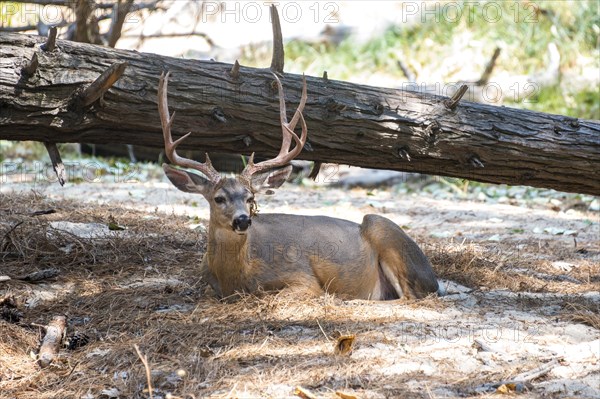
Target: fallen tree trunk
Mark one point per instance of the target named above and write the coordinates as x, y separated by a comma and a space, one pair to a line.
238, 113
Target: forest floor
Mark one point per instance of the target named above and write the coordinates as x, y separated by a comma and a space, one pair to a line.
520, 317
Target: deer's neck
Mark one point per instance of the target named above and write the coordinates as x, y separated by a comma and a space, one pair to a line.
228, 259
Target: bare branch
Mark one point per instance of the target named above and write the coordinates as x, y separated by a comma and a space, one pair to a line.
57, 163
120, 11
487, 73
83, 10
278, 54
30, 68
235, 70
51, 42
452, 103
410, 76
101, 85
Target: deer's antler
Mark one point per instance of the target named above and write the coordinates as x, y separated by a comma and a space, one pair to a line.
287, 129
166, 121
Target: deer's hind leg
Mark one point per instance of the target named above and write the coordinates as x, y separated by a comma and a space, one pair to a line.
401, 261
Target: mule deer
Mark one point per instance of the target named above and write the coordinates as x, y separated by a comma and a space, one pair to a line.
248, 252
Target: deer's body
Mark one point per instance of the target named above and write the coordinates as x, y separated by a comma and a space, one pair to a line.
374, 260
248, 252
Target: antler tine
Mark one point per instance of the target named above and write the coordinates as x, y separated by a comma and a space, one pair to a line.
166, 121
300, 108
287, 130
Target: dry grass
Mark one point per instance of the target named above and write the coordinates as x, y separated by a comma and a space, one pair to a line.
140, 287
581, 313
500, 266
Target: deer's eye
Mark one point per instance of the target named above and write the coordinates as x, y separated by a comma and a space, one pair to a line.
220, 200
250, 200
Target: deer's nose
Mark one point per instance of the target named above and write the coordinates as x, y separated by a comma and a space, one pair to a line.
241, 223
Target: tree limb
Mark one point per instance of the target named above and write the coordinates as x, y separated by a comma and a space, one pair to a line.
348, 123
83, 10
119, 14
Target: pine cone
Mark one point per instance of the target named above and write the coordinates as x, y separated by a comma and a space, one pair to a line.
76, 340
10, 314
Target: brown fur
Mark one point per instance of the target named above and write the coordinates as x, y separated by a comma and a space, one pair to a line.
314, 254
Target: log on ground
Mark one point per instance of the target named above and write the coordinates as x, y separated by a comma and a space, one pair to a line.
348, 123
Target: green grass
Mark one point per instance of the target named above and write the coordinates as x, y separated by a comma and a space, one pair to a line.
440, 50
523, 34
584, 104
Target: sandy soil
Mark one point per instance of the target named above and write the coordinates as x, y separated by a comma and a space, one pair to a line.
521, 274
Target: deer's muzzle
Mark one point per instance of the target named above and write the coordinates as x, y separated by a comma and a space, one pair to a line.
241, 223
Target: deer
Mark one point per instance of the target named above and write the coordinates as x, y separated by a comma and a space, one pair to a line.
250, 252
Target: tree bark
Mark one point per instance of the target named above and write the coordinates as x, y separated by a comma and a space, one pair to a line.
348, 123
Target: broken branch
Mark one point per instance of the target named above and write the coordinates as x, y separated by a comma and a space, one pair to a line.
278, 52
51, 42
119, 14
487, 73
55, 332
57, 163
30, 68
101, 85
235, 70
452, 103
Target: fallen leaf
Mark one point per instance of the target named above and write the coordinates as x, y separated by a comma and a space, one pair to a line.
345, 395
343, 345
115, 227
304, 393
506, 389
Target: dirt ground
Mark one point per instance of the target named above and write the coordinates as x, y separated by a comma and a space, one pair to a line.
520, 316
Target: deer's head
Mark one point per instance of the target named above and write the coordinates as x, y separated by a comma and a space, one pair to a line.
231, 200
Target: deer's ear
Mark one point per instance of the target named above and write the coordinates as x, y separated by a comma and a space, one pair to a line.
186, 181
272, 178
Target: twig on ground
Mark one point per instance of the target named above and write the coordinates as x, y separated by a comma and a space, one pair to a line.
144, 360
537, 372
